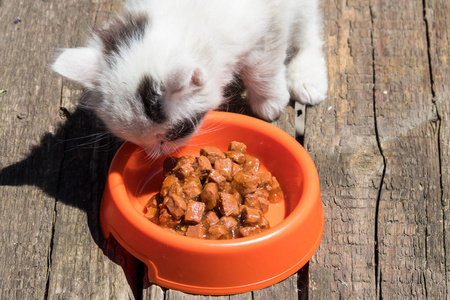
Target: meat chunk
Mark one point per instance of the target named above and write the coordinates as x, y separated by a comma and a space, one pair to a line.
212, 153
211, 219
236, 156
246, 182
238, 196
204, 166
192, 187
196, 231
259, 199
237, 146
194, 212
270, 184
232, 226
168, 164
249, 230
185, 167
250, 216
229, 205
176, 205
216, 177
230, 223
210, 195
265, 179
225, 167
251, 164
154, 200
218, 232
235, 169
167, 220
264, 223
275, 192
152, 213
225, 187
167, 184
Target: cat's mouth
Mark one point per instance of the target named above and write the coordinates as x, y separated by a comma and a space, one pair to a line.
171, 138
159, 148
162, 147
175, 136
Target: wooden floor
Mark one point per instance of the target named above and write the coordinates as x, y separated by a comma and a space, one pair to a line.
380, 143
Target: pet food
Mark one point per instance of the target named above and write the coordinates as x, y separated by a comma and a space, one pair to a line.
217, 195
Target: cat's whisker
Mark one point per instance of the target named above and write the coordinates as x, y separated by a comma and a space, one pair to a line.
93, 141
93, 135
150, 154
211, 128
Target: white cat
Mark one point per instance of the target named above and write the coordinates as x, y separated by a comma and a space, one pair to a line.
156, 69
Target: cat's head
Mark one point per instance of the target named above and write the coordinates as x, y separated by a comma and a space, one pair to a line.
142, 91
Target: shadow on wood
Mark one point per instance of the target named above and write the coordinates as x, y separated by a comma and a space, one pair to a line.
71, 167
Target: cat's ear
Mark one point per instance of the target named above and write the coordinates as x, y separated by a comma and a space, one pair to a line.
185, 80
79, 65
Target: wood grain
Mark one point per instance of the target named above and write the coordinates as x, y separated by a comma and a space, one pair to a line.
29, 113
103, 269
340, 135
404, 255
56, 163
381, 144
438, 31
410, 233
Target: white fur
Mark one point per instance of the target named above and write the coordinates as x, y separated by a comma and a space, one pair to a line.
210, 39
79, 65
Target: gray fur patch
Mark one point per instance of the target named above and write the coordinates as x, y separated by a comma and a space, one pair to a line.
121, 31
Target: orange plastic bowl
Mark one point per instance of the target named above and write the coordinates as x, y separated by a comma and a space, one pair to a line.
224, 266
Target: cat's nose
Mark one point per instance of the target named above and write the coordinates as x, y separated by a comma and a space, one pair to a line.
161, 139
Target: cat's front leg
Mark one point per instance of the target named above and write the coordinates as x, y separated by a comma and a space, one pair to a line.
307, 77
307, 70
266, 89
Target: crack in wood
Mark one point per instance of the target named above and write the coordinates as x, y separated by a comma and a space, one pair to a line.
55, 212
439, 136
380, 149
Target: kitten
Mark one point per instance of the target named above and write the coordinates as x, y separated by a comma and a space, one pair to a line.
155, 70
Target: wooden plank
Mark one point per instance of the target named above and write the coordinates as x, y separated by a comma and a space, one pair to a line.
340, 135
438, 29
83, 264
286, 289
152, 291
29, 171
411, 253
177, 295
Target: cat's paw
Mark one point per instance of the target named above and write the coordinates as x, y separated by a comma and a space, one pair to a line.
270, 109
307, 78
267, 93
